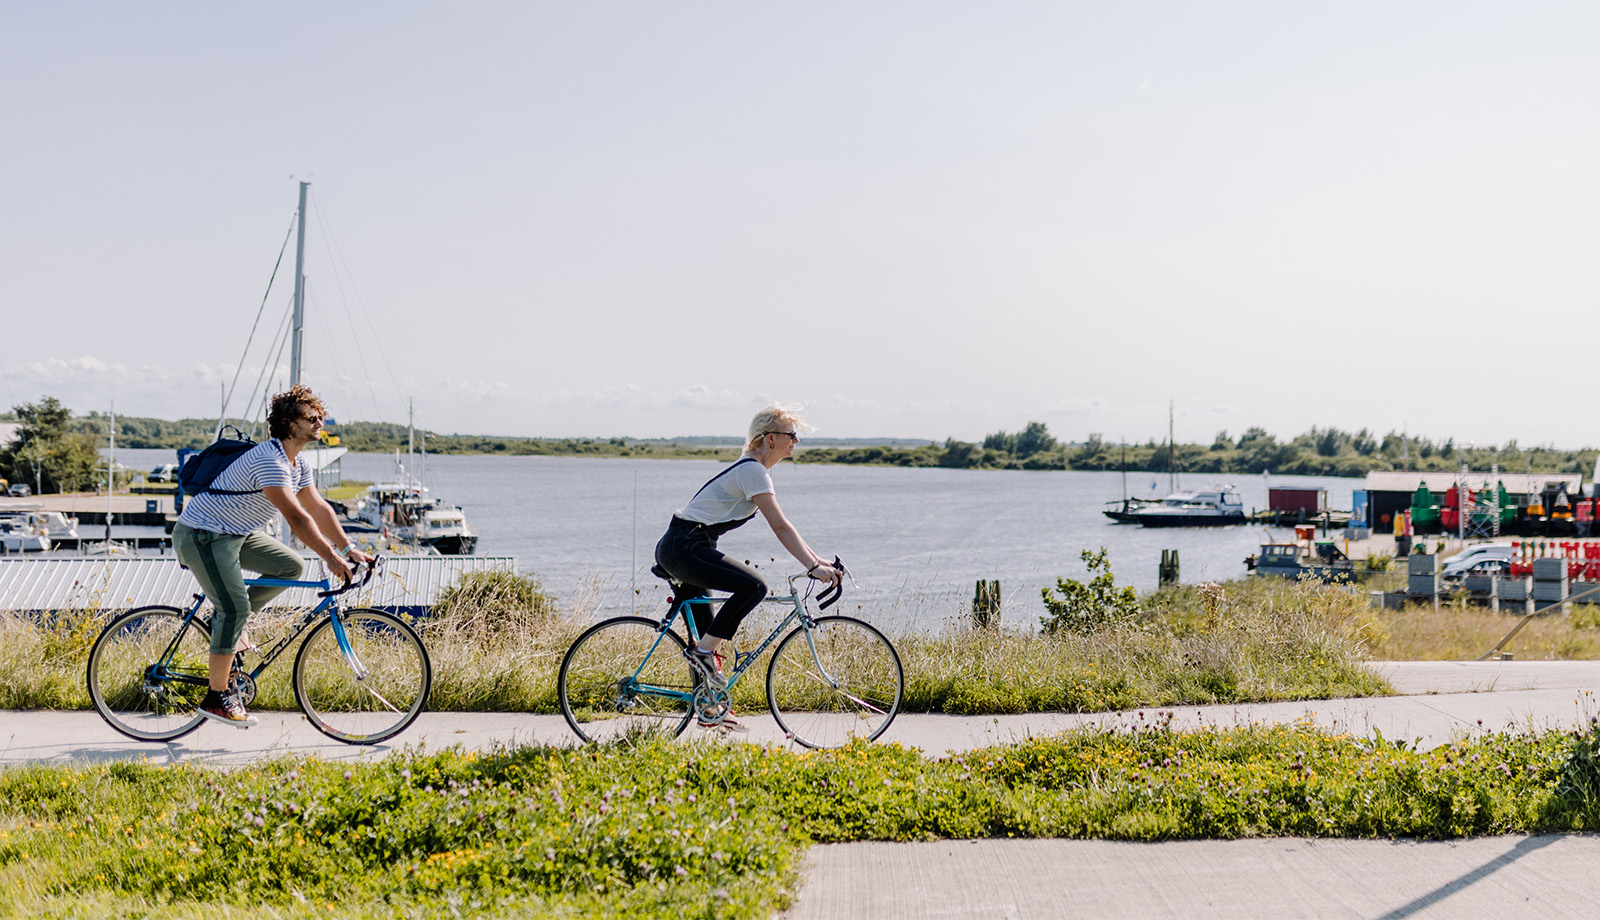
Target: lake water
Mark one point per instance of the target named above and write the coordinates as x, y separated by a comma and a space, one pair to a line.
916, 539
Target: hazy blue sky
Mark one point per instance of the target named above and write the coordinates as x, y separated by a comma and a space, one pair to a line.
923, 219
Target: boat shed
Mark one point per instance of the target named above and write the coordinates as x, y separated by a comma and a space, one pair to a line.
1389, 493
408, 584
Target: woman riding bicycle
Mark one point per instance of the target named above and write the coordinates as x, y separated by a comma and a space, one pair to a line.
688, 551
219, 534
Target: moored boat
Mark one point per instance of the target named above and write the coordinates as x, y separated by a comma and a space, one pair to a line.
1126, 510
405, 511
1218, 506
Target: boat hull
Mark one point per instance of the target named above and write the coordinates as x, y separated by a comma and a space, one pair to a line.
454, 545
1157, 519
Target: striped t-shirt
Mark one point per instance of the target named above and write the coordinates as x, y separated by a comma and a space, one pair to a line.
261, 467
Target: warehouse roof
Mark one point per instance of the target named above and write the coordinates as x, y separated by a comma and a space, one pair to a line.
1516, 483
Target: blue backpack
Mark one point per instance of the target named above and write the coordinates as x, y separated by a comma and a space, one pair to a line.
201, 470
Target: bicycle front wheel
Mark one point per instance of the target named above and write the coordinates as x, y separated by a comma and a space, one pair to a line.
148, 673
626, 677
371, 691
838, 681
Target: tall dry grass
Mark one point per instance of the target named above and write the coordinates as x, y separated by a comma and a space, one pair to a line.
496, 644
1458, 633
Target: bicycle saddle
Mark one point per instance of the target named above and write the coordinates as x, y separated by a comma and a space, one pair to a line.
661, 573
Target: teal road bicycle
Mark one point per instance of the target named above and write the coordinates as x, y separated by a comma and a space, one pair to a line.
360, 675
831, 679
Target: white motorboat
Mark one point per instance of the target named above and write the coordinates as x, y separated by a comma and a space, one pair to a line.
19, 535
1217, 506
32, 529
406, 512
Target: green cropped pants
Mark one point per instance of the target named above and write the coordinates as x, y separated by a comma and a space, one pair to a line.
218, 560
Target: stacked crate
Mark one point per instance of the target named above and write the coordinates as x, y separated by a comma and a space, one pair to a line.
1549, 583
1422, 577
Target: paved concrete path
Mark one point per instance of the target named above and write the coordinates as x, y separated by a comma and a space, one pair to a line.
1438, 702
1488, 877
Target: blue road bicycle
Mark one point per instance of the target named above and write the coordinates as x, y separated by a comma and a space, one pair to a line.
360, 675
831, 679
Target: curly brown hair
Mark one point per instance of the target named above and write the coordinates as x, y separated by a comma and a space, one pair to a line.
294, 403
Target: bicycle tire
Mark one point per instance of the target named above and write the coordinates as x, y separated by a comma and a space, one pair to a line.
129, 690
348, 708
864, 698
599, 674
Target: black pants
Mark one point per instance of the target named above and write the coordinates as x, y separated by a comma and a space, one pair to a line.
689, 553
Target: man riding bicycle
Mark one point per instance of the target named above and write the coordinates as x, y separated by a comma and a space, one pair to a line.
218, 535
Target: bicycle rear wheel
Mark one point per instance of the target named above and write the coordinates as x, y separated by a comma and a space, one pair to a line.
357, 709
626, 677
141, 689
845, 683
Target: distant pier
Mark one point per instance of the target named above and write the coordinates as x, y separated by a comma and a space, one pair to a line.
154, 510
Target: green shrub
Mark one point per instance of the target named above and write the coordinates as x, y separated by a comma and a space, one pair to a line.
1089, 608
492, 603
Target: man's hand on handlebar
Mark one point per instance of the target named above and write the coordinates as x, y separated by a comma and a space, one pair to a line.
356, 555
338, 568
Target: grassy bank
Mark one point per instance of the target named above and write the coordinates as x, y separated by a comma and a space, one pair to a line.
498, 646
713, 829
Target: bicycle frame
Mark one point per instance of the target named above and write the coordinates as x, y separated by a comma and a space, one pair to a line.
742, 661
329, 604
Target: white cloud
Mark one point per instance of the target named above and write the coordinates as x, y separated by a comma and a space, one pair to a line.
941, 407
700, 396
1080, 405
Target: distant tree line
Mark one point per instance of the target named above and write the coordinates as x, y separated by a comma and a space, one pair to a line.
1318, 452
60, 451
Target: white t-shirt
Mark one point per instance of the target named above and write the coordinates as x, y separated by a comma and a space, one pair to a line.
260, 467
730, 496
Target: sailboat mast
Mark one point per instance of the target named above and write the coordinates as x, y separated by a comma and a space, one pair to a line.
1125, 474
411, 435
111, 472
297, 330
1172, 453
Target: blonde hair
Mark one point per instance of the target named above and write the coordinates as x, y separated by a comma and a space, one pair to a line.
776, 417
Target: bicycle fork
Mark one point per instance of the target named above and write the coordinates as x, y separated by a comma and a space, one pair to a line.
833, 682
346, 649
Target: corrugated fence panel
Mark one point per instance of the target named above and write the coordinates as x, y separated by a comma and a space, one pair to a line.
113, 583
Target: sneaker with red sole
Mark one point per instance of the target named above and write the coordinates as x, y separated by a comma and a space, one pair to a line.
226, 708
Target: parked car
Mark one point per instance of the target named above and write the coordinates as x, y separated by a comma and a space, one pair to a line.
166, 472
1481, 559
20, 490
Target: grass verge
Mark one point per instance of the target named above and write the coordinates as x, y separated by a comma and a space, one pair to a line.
496, 644
651, 828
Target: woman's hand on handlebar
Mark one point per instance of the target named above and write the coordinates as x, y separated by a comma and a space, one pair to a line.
825, 572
